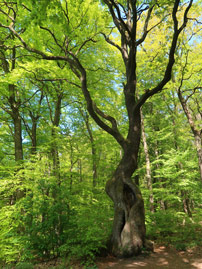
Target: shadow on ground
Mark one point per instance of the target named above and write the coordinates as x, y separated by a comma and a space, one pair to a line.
162, 257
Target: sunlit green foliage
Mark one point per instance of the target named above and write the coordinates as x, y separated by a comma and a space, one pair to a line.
61, 213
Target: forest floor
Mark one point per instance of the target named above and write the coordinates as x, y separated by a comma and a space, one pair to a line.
162, 257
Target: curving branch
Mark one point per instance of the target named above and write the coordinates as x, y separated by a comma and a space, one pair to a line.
118, 21
66, 11
111, 42
83, 44
123, 24
53, 36
106, 117
171, 59
95, 113
80, 72
145, 29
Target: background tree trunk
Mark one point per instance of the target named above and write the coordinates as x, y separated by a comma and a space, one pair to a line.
17, 136
93, 147
148, 165
196, 132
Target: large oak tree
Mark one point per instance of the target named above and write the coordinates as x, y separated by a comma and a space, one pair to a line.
81, 27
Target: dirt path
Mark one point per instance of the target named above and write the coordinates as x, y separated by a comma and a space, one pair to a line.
163, 257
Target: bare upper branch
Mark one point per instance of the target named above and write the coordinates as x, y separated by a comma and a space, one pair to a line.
145, 29
171, 60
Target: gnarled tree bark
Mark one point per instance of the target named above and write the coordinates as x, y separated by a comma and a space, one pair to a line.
129, 231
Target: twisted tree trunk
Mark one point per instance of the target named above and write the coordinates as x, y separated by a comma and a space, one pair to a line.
129, 231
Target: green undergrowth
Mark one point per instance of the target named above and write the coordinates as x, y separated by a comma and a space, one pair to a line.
52, 222
86, 235
55, 221
175, 228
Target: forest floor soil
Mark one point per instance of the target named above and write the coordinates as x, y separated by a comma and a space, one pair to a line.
162, 257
